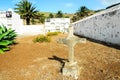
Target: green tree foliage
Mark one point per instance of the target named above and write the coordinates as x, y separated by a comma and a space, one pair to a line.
42, 20
59, 14
51, 15
7, 37
33, 21
26, 10
82, 12
41, 17
75, 18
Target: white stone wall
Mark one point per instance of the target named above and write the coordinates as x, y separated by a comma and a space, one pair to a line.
31, 30
103, 26
57, 24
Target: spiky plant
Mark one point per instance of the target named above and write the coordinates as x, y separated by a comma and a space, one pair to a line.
7, 37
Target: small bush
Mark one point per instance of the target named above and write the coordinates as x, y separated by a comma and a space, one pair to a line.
52, 33
42, 38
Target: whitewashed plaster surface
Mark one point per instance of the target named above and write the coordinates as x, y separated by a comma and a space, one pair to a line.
57, 24
13, 22
103, 26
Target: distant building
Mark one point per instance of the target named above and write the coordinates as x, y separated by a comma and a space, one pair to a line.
57, 24
10, 19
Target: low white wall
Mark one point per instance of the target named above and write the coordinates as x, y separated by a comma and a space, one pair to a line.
103, 26
26, 29
35, 29
30, 30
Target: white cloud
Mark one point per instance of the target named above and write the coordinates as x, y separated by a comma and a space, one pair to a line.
109, 2
69, 5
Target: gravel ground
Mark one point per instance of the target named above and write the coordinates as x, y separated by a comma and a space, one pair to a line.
43, 61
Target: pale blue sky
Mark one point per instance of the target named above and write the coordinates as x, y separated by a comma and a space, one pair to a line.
66, 6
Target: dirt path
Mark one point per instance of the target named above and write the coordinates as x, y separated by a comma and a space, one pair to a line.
40, 61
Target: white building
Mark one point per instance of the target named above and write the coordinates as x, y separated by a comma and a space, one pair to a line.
11, 19
57, 24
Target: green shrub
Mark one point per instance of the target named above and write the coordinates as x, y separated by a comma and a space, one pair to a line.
42, 38
52, 33
7, 37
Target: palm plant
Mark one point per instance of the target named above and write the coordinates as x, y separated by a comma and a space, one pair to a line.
82, 12
26, 10
41, 17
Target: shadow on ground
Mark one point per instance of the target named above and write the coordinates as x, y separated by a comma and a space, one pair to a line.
61, 60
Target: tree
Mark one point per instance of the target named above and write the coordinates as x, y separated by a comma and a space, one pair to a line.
82, 11
51, 15
33, 21
41, 17
75, 18
59, 14
26, 10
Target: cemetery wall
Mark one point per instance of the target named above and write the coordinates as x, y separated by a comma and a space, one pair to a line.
12, 20
103, 26
31, 30
15, 22
57, 24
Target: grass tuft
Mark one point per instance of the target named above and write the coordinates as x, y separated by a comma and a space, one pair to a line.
42, 38
52, 33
